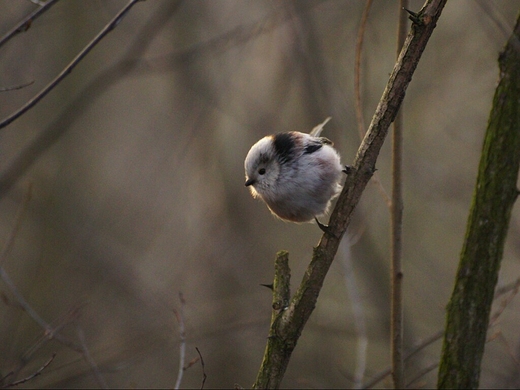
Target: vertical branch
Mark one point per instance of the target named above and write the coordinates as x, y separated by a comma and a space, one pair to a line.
18, 223
357, 92
357, 69
357, 310
396, 212
271, 371
494, 195
90, 361
179, 314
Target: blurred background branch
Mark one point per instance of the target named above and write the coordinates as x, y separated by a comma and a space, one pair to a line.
65, 72
26, 23
396, 227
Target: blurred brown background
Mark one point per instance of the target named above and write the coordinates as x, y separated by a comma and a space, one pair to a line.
136, 168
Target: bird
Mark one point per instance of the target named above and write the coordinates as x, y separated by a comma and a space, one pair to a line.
296, 174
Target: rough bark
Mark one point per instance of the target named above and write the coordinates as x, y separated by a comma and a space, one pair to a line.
289, 323
494, 195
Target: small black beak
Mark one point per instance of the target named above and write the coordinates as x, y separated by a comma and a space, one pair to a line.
250, 182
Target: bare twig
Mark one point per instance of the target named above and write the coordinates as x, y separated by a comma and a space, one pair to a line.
22, 302
504, 341
15, 87
33, 375
358, 312
508, 287
419, 347
514, 286
396, 217
132, 62
52, 332
357, 69
25, 24
18, 223
513, 291
422, 373
49, 331
204, 376
191, 363
179, 314
357, 93
65, 72
90, 361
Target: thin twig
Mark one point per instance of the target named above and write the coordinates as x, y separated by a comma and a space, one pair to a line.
357, 69
68, 69
504, 341
90, 361
17, 224
396, 226
358, 312
514, 286
422, 373
26, 23
16, 87
179, 314
417, 348
494, 317
204, 376
49, 331
357, 92
131, 63
22, 302
191, 363
33, 375
47, 335
508, 287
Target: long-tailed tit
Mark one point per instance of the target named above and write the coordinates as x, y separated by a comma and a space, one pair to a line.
295, 174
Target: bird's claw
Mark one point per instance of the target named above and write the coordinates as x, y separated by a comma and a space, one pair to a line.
348, 169
325, 228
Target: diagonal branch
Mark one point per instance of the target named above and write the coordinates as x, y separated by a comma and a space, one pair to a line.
25, 24
65, 72
291, 322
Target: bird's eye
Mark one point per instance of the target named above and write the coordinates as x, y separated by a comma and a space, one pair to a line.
261, 171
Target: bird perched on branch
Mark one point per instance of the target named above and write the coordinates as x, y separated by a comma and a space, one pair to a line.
295, 174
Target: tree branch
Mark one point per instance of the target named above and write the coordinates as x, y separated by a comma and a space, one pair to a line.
179, 314
25, 24
494, 196
65, 72
271, 373
292, 321
396, 227
32, 376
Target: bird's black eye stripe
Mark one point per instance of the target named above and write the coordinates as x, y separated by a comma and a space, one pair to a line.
284, 147
261, 171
